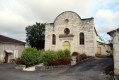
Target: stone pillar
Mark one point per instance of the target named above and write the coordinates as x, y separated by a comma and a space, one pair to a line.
116, 60
73, 60
116, 53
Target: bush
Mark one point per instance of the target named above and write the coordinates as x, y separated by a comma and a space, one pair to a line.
60, 53
75, 53
81, 57
18, 61
67, 52
30, 56
12, 60
84, 56
61, 61
48, 56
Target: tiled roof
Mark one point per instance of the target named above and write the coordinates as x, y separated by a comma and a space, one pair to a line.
10, 40
87, 18
113, 31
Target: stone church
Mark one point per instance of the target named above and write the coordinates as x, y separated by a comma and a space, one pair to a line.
69, 31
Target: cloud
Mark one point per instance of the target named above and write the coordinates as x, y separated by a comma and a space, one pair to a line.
47, 10
108, 15
110, 20
15, 15
13, 25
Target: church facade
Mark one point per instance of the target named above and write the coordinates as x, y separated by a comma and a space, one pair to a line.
71, 32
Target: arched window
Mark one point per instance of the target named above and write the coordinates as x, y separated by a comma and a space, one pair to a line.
81, 38
53, 39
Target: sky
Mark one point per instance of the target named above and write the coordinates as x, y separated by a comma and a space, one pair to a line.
15, 15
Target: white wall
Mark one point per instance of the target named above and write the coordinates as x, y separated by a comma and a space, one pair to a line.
116, 52
104, 48
76, 26
10, 46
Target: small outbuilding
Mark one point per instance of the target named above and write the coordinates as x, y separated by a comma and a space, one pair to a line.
115, 35
103, 49
10, 48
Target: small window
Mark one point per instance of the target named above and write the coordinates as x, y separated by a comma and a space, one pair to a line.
66, 20
66, 31
81, 38
53, 39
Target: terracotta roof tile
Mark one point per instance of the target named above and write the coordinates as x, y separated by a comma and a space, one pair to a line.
7, 39
113, 31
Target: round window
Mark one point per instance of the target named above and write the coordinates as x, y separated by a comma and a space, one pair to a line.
66, 31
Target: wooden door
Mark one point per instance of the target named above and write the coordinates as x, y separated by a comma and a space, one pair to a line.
66, 45
6, 58
99, 50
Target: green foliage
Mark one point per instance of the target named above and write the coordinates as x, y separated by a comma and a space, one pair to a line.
67, 52
12, 60
18, 61
35, 35
60, 53
30, 56
47, 56
50, 55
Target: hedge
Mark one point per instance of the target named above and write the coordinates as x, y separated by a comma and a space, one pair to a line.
61, 61
50, 55
81, 57
31, 56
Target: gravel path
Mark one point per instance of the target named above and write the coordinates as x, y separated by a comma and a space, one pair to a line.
90, 70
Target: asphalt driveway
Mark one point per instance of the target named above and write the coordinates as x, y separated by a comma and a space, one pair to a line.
90, 70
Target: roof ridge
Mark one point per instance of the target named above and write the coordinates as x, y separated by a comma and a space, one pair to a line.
87, 18
113, 31
8, 39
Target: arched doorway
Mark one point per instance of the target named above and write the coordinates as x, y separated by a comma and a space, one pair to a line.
66, 45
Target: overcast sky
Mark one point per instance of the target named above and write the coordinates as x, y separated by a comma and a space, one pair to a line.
15, 15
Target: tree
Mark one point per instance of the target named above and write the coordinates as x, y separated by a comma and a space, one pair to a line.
35, 35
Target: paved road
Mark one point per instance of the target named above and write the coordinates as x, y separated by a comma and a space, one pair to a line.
90, 70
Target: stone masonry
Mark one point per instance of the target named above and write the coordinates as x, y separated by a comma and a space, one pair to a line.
115, 35
76, 25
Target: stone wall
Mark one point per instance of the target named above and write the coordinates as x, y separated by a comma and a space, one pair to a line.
104, 48
116, 52
10, 46
76, 25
